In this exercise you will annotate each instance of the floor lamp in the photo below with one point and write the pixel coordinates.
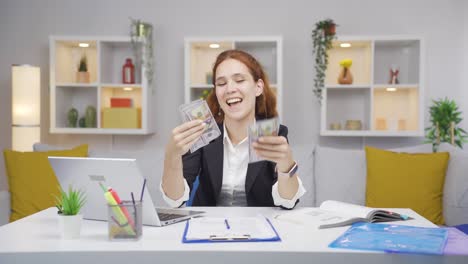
(26, 106)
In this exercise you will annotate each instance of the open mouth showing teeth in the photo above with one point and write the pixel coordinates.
(233, 101)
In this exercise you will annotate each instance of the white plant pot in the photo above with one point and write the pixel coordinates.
(70, 226)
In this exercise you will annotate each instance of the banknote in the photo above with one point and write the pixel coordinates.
(199, 109)
(265, 127)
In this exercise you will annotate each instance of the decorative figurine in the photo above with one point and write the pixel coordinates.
(394, 70)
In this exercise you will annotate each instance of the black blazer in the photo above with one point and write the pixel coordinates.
(207, 163)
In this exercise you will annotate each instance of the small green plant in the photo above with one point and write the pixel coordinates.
(445, 118)
(83, 65)
(71, 202)
(205, 94)
(322, 37)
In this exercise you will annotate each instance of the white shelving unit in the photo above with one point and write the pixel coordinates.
(383, 109)
(199, 60)
(105, 57)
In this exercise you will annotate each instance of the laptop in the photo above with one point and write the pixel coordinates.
(123, 176)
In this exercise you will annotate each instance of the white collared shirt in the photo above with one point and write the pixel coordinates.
(235, 163)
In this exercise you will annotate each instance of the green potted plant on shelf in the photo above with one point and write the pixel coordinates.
(322, 37)
(69, 205)
(445, 118)
(82, 76)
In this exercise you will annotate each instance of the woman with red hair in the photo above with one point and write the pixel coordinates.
(241, 95)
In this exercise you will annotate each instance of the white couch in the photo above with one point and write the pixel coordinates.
(327, 173)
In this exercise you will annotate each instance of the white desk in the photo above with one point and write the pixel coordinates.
(36, 239)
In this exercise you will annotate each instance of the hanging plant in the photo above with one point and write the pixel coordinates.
(141, 33)
(445, 118)
(322, 37)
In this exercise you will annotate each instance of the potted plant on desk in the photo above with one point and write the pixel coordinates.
(69, 205)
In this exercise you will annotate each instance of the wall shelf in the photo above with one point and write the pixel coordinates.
(105, 56)
(383, 109)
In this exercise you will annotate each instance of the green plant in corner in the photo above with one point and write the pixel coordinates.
(322, 37)
(83, 65)
(71, 202)
(445, 118)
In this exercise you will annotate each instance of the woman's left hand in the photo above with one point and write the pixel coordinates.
(276, 149)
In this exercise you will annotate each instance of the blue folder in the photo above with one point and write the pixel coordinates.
(393, 238)
(216, 238)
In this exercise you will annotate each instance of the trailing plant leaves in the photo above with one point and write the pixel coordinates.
(322, 42)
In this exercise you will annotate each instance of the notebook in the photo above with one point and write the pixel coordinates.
(124, 176)
(334, 214)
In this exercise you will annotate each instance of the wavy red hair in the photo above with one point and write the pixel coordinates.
(265, 104)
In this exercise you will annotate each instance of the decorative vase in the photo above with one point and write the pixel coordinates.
(70, 226)
(345, 76)
(353, 125)
(82, 77)
(128, 72)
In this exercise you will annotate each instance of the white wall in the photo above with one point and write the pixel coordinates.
(26, 25)
(463, 76)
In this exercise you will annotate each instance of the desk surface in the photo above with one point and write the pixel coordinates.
(37, 238)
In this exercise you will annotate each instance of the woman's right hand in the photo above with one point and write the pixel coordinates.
(184, 136)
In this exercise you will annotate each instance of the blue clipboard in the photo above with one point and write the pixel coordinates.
(237, 238)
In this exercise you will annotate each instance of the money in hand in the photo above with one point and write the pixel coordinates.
(199, 109)
(265, 127)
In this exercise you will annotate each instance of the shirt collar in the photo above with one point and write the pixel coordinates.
(227, 140)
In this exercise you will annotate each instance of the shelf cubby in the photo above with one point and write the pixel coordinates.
(384, 106)
(106, 57)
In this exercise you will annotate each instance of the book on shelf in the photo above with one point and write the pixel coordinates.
(121, 102)
(334, 214)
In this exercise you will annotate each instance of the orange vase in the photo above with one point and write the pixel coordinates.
(345, 76)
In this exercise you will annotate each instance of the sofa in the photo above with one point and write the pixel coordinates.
(327, 174)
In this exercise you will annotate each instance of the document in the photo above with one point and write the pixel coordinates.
(217, 229)
(334, 214)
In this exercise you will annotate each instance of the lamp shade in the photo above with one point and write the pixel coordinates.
(26, 106)
(26, 95)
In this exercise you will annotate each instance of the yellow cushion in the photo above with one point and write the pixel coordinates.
(32, 181)
(406, 180)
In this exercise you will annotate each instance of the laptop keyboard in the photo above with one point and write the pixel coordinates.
(165, 217)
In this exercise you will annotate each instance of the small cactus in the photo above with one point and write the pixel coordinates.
(83, 66)
(72, 117)
(90, 116)
(82, 122)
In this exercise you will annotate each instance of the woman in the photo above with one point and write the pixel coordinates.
(241, 95)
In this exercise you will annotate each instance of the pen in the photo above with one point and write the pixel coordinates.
(134, 208)
(142, 190)
(227, 224)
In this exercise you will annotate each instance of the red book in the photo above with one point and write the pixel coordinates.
(121, 102)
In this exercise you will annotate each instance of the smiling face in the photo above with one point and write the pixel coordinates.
(236, 90)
